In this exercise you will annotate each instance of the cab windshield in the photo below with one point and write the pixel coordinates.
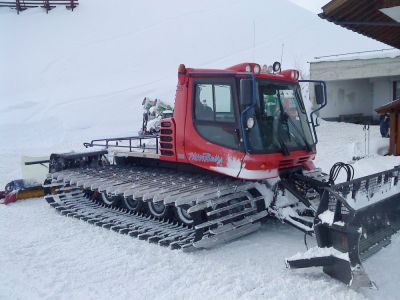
(281, 123)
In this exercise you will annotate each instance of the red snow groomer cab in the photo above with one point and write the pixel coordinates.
(238, 149)
(234, 122)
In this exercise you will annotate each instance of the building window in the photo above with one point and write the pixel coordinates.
(396, 90)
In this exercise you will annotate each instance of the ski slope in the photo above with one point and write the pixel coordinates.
(66, 78)
(47, 256)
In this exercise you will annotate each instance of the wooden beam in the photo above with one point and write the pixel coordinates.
(388, 3)
(333, 5)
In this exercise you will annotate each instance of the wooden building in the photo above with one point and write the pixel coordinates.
(377, 19)
(393, 109)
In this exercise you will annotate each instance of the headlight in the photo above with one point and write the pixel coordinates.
(277, 67)
(250, 122)
(256, 69)
(248, 68)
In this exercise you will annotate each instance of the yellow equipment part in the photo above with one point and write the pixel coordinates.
(34, 192)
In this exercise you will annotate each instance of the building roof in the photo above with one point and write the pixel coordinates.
(349, 69)
(378, 19)
(392, 106)
(364, 55)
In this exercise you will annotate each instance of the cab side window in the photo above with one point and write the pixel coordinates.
(204, 105)
(214, 112)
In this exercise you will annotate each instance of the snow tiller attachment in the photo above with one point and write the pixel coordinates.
(354, 220)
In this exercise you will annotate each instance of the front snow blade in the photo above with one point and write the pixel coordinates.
(356, 218)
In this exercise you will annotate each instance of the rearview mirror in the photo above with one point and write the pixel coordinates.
(246, 91)
(270, 90)
(319, 94)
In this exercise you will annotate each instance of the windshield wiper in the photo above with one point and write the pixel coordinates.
(284, 147)
(308, 146)
(282, 143)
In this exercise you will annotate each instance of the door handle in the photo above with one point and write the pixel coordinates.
(237, 132)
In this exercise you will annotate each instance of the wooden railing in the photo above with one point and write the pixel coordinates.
(21, 5)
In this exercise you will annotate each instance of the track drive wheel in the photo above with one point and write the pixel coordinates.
(132, 204)
(159, 210)
(183, 216)
(88, 194)
(110, 200)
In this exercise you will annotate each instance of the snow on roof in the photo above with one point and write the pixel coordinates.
(383, 53)
(392, 12)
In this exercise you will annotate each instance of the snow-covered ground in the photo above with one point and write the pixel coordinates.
(66, 78)
(47, 256)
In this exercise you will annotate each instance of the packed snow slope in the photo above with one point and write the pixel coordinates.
(70, 76)
(47, 256)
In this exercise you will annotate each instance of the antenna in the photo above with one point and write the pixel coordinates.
(283, 47)
(254, 40)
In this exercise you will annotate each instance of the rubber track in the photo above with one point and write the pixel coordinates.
(230, 209)
(81, 207)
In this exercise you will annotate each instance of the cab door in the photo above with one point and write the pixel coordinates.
(212, 138)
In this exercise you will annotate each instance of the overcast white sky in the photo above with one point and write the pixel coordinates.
(313, 5)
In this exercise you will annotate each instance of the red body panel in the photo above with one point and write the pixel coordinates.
(261, 166)
(189, 147)
(205, 154)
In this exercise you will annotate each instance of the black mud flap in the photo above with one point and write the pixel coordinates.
(355, 219)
